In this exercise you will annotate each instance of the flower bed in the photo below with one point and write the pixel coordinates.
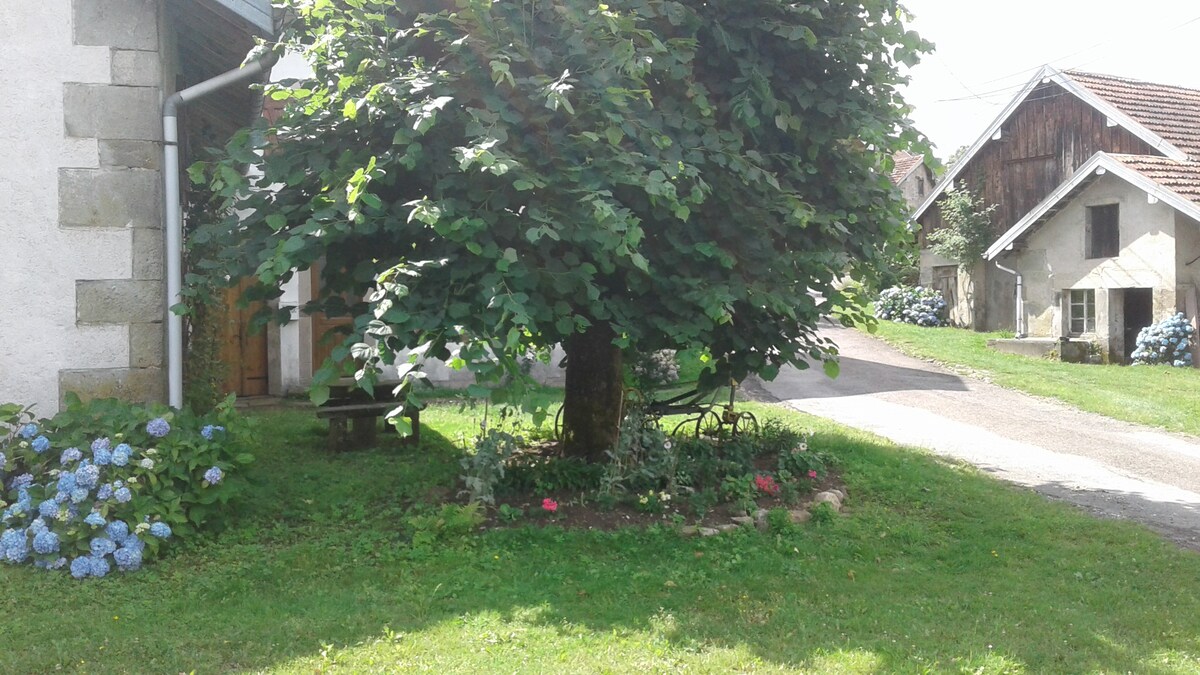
(104, 484)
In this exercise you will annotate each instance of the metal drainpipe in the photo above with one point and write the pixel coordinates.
(174, 209)
(1020, 300)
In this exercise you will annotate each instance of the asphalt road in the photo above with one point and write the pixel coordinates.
(1110, 468)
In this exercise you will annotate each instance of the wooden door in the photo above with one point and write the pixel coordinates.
(945, 281)
(244, 352)
(327, 332)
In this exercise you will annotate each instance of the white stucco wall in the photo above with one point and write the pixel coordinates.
(39, 261)
(1052, 259)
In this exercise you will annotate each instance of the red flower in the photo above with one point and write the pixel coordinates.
(766, 484)
(549, 505)
(812, 473)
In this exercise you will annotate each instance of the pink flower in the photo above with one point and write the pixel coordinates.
(766, 484)
(549, 505)
(812, 473)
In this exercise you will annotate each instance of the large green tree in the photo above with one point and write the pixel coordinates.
(513, 174)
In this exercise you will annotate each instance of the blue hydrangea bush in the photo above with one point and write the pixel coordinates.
(912, 304)
(1166, 342)
(104, 485)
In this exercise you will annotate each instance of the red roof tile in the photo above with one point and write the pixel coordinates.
(1182, 178)
(904, 163)
(1169, 111)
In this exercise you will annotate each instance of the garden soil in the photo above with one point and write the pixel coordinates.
(1110, 468)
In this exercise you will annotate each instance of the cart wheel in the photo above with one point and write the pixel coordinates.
(708, 424)
(558, 425)
(745, 423)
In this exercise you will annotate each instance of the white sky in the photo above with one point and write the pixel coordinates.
(985, 51)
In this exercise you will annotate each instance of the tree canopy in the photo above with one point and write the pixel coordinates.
(512, 174)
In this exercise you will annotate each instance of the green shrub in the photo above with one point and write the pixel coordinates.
(86, 487)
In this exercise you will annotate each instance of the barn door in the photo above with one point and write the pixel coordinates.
(244, 352)
(945, 281)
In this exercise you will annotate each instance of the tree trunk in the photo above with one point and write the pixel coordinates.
(592, 403)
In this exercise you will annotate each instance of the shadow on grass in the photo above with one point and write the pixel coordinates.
(937, 568)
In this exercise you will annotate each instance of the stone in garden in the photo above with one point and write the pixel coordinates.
(761, 514)
(689, 530)
(800, 516)
(829, 498)
(708, 532)
(841, 494)
(745, 521)
(727, 527)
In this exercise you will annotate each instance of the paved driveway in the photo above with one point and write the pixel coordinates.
(1111, 468)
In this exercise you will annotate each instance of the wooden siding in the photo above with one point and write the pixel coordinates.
(1045, 140)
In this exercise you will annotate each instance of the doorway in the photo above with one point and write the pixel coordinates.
(1138, 313)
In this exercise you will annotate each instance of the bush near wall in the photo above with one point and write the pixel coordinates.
(912, 304)
(1166, 342)
(104, 485)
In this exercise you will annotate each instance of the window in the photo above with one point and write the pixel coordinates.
(1103, 232)
(1083, 311)
(921, 187)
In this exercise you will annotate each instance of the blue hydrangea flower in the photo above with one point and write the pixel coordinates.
(95, 519)
(62, 497)
(22, 481)
(133, 543)
(66, 482)
(117, 530)
(214, 475)
(81, 567)
(105, 492)
(28, 431)
(87, 476)
(120, 454)
(15, 546)
(160, 530)
(37, 526)
(58, 564)
(102, 546)
(24, 500)
(102, 456)
(79, 495)
(99, 566)
(3, 461)
(45, 543)
(100, 444)
(48, 508)
(158, 427)
(128, 559)
(41, 444)
(70, 455)
(207, 431)
(123, 495)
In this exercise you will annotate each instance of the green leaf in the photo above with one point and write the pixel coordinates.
(350, 110)
(832, 368)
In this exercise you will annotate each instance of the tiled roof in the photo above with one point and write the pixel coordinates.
(904, 163)
(1169, 111)
(1182, 178)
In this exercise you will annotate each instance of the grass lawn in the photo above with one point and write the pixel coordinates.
(937, 568)
(1155, 395)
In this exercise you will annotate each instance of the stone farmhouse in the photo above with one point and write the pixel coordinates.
(1096, 180)
(83, 235)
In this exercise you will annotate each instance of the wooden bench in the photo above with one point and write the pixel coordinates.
(353, 415)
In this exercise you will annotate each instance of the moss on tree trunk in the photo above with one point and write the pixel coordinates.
(592, 401)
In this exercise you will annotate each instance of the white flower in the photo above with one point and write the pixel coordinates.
(147, 464)
(141, 527)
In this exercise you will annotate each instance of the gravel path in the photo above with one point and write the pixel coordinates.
(1113, 469)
